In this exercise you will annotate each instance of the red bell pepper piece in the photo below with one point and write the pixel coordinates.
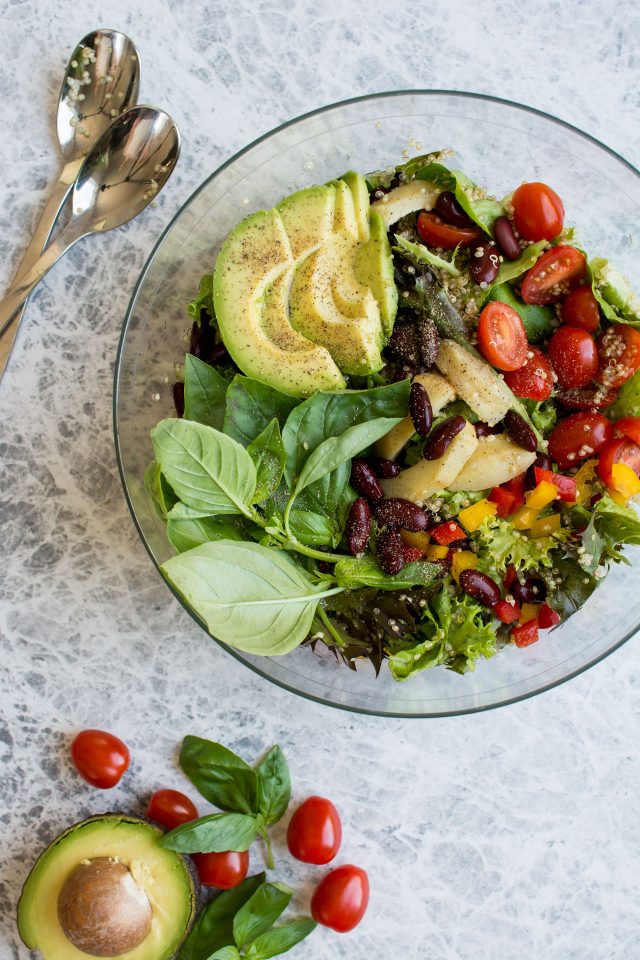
(507, 612)
(517, 488)
(525, 633)
(505, 501)
(510, 576)
(566, 486)
(447, 532)
(547, 617)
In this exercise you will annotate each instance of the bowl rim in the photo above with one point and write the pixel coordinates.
(385, 95)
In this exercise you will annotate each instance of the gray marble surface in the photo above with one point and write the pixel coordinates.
(512, 834)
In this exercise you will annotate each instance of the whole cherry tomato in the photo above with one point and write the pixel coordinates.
(578, 437)
(574, 356)
(581, 309)
(171, 808)
(553, 275)
(501, 336)
(534, 379)
(628, 427)
(315, 832)
(222, 870)
(436, 233)
(100, 758)
(619, 349)
(617, 451)
(340, 899)
(538, 211)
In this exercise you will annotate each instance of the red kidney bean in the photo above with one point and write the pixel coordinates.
(449, 210)
(420, 409)
(484, 430)
(542, 461)
(387, 469)
(358, 527)
(531, 590)
(480, 586)
(438, 443)
(389, 548)
(484, 263)
(520, 431)
(505, 237)
(178, 397)
(411, 554)
(364, 481)
(396, 512)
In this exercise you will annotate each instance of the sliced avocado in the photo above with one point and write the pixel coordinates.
(254, 255)
(106, 888)
(352, 298)
(344, 219)
(374, 267)
(358, 187)
(307, 217)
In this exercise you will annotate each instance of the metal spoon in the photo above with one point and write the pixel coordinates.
(101, 80)
(123, 173)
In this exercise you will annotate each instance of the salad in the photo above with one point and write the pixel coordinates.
(408, 424)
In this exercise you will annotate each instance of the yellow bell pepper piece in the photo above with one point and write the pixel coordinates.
(435, 552)
(529, 611)
(584, 479)
(542, 495)
(524, 517)
(545, 526)
(462, 560)
(471, 517)
(419, 539)
(625, 481)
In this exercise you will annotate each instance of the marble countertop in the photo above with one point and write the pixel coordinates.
(512, 834)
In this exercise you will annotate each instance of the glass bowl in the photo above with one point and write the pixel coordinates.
(497, 143)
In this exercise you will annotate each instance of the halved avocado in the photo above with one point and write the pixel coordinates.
(106, 888)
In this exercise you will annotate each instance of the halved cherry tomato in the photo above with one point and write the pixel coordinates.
(222, 870)
(547, 617)
(505, 501)
(171, 808)
(436, 233)
(446, 533)
(340, 899)
(566, 486)
(315, 831)
(578, 437)
(534, 379)
(501, 336)
(574, 356)
(525, 633)
(538, 211)
(619, 349)
(507, 612)
(628, 427)
(617, 451)
(592, 397)
(581, 309)
(100, 758)
(553, 275)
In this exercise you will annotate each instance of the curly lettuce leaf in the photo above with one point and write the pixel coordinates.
(203, 301)
(613, 291)
(542, 413)
(500, 544)
(419, 255)
(609, 526)
(512, 269)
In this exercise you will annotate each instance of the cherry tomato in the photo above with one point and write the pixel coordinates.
(553, 275)
(340, 899)
(436, 233)
(628, 427)
(315, 831)
(100, 758)
(538, 211)
(222, 870)
(619, 349)
(578, 437)
(618, 451)
(501, 336)
(581, 309)
(574, 356)
(171, 808)
(534, 379)
(592, 397)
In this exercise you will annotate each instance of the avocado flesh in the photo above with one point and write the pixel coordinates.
(307, 218)
(165, 876)
(358, 187)
(344, 218)
(374, 268)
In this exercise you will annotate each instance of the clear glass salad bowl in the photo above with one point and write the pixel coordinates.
(497, 143)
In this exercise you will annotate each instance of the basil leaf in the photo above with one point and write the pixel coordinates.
(222, 777)
(538, 321)
(226, 953)
(186, 534)
(260, 912)
(627, 403)
(279, 939)
(251, 406)
(313, 529)
(483, 211)
(214, 833)
(213, 928)
(268, 455)
(206, 469)
(204, 393)
(366, 572)
(157, 486)
(274, 785)
(249, 596)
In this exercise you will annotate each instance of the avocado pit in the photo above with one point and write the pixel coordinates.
(102, 910)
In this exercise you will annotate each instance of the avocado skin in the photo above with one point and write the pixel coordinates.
(190, 867)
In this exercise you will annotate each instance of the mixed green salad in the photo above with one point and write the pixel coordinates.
(408, 424)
